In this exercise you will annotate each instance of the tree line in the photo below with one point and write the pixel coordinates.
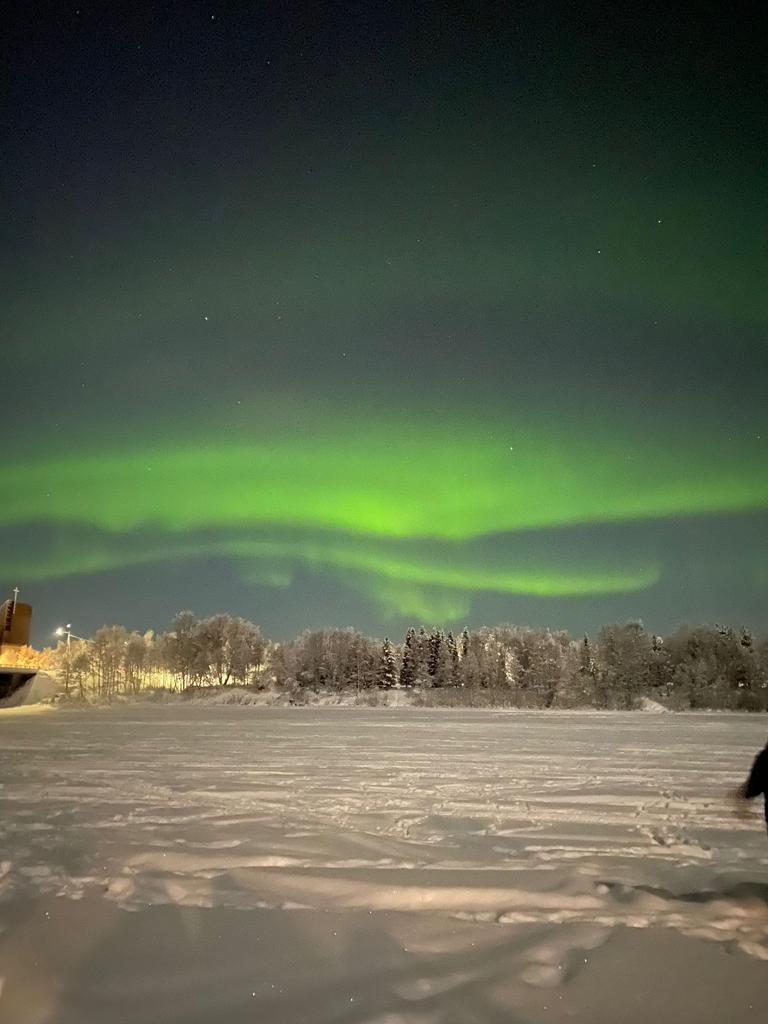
(693, 667)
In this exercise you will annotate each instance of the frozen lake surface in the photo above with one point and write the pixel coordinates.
(185, 863)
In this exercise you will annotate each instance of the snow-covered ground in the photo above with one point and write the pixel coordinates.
(190, 863)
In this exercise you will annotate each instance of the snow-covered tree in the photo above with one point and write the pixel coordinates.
(387, 674)
(409, 666)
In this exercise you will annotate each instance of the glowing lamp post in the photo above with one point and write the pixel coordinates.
(67, 632)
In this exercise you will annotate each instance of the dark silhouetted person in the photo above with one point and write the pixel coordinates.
(757, 783)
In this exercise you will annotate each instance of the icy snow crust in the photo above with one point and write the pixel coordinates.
(394, 866)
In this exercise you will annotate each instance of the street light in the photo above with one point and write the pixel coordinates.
(67, 632)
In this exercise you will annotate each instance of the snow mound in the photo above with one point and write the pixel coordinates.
(38, 689)
(652, 706)
(238, 695)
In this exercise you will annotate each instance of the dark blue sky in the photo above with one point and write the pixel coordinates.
(359, 314)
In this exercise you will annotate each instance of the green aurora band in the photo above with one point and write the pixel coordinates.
(394, 507)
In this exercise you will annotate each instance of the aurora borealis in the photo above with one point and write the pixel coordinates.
(360, 315)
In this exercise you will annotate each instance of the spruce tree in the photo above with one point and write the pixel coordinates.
(464, 642)
(445, 666)
(409, 665)
(433, 656)
(387, 676)
(586, 659)
(450, 643)
(421, 651)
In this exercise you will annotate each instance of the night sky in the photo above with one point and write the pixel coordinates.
(369, 314)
